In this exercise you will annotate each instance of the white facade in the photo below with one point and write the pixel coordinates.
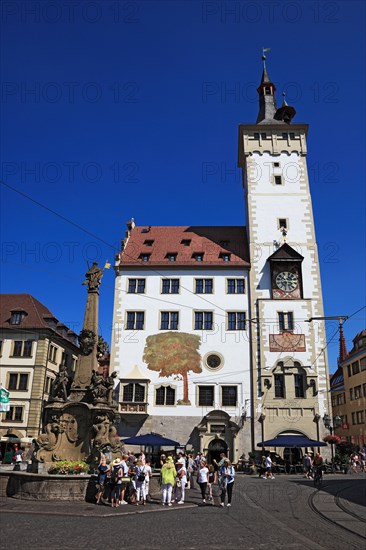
(232, 346)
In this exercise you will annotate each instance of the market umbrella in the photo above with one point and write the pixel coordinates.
(152, 440)
(291, 441)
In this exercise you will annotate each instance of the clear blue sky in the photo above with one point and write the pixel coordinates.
(133, 101)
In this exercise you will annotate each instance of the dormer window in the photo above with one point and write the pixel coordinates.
(198, 256)
(144, 257)
(148, 242)
(17, 316)
(185, 242)
(256, 135)
(263, 135)
(171, 256)
(225, 256)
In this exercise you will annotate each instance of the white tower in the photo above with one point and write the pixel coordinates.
(289, 361)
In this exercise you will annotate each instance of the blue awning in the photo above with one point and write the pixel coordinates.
(291, 441)
(151, 440)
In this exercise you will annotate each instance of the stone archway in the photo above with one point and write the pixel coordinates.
(217, 426)
(215, 448)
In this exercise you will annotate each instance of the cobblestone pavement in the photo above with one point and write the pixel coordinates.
(286, 512)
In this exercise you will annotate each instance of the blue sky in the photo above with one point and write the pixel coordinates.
(113, 110)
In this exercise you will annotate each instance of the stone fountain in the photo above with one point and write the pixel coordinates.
(80, 416)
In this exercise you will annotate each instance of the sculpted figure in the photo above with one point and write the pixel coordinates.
(48, 440)
(101, 431)
(59, 387)
(109, 385)
(87, 340)
(93, 277)
(98, 387)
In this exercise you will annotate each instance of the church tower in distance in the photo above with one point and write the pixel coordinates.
(289, 367)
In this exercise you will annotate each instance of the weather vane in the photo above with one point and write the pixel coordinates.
(264, 50)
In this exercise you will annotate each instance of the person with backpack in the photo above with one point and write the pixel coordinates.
(116, 482)
(227, 476)
(140, 479)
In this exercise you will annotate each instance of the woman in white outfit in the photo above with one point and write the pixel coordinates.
(181, 481)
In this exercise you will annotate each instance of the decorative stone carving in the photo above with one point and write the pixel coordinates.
(48, 440)
(87, 340)
(93, 277)
(59, 386)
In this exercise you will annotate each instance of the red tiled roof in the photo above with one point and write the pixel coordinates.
(35, 318)
(211, 241)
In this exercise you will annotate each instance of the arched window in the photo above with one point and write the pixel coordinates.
(299, 381)
(165, 395)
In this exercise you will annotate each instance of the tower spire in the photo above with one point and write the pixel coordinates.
(342, 343)
(268, 112)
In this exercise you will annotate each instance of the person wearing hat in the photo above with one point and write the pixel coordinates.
(116, 481)
(168, 475)
(181, 480)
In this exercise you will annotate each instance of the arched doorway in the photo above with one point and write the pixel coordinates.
(215, 448)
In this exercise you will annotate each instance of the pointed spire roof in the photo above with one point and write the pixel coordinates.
(265, 78)
(285, 253)
(268, 112)
(342, 344)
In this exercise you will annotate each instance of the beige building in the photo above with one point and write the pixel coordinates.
(33, 347)
(348, 390)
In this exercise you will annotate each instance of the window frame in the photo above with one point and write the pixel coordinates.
(204, 281)
(164, 388)
(133, 393)
(171, 283)
(22, 346)
(229, 386)
(203, 387)
(235, 280)
(285, 320)
(11, 414)
(237, 321)
(18, 376)
(135, 321)
(299, 385)
(279, 377)
(204, 322)
(137, 282)
(169, 320)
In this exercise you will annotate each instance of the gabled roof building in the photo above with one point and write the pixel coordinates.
(34, 344)
(210, 337)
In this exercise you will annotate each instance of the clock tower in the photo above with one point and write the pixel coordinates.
(289, 373)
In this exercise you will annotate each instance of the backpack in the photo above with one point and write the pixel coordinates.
(141, 475)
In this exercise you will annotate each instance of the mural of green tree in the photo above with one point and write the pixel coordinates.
(174, 354)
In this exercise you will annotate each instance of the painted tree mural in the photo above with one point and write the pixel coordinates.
(174, 354)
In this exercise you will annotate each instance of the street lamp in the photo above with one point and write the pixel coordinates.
(261, 419)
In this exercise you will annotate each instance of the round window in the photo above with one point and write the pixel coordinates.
(214, 361)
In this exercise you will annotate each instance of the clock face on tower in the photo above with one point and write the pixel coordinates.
(287, 281)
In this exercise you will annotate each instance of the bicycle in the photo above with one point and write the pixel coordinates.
(318, 476)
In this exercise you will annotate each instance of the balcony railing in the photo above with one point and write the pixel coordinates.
(133, 408)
